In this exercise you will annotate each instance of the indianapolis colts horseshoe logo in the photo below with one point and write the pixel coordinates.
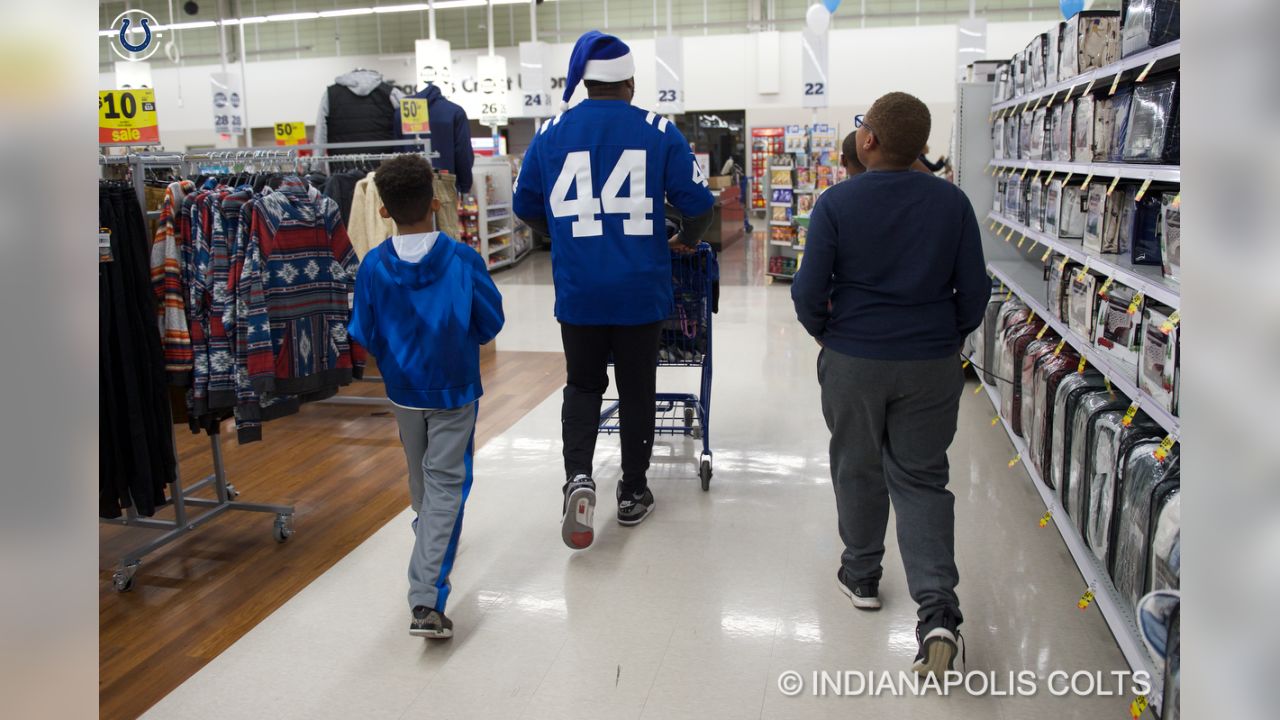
(134, 35)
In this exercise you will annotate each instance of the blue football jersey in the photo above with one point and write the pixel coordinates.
(599, 173)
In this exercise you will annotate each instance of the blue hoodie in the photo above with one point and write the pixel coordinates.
(425, 321)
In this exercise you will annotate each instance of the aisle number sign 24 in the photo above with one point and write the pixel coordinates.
(291, 133)
(127, 117)
(413, 116)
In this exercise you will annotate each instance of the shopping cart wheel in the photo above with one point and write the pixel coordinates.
(688, 417)
(704, 472)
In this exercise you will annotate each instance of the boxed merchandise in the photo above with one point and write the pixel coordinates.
(1149, 122)
(1082, 297)
(1012, 133)
(780, 176)
(1070, 391)
(1025, 130)
(997, 139)
(1018, 65)
(1073, 213)
(720, 182)
(1117, 333)
(997, 203)
(1112, 442)
(1148, 24)
(1158, 369)
(1053, 53)
(1052, 207)
(1063, 114)
(1036, 148)
(1171, 235)
(1084, 431)
(1145, 245)
(1059, 281)
(1004, 87)
(1082, 147)
(1146, 482)
(1119, 108)
(1090, 40)
(780, 213)
(1036, 60)
(1035, 206)
(1102, 225)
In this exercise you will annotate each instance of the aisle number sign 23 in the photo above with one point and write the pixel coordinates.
(413, 116)
(291, 133)
(127, 117)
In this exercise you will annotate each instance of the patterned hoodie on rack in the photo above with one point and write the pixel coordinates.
(296, 271)
(166, 283)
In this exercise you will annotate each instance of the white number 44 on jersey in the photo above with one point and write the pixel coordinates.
(635, 205)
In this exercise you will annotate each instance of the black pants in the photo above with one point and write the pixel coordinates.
(587, 349)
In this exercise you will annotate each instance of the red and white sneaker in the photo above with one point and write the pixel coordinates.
(576, 527)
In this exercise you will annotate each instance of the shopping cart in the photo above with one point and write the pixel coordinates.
(686, 342)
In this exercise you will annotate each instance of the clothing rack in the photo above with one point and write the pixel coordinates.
(225, 493)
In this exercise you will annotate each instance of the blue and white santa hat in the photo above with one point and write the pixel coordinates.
(597, 56)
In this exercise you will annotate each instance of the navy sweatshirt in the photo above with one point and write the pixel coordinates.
(893, 268)
(450, 136)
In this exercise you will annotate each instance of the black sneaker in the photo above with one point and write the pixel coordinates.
(576, 527)
(429, 623)
(940, 641)
(865, 595)
(633, 510)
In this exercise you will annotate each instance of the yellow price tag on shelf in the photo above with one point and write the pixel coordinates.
(1022, 242)
(1168, 325)
(992, 226)
(1080, 367)
(1086, 599)
(1067, 180)
(1015, 460)
(1062, 266)
(1112, 187)
(1130, 414)
(1034, 243)
(964, 365)
(977, 389)
(1135, 304)
(1140, 704)
(1089, 88)
(1177, 200)
(1001, 287)
(1032, 317)
(1115, 84)
(1165, 447)
(1047, 252)
(1061, 344)
(1008, 234)
(291, 133)
(1043, 330)
(1050, 178)
(414, 118)
(1087, 179)
(127, 117)
(1142, 76)
(1142, 191)
(1008, 296)
(1036, 177)
(1106, 285)
(1084, 270)
(1044, 519)
(995, 420)
(1025, 170)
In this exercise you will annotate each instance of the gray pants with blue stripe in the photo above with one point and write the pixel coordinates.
(438, 446)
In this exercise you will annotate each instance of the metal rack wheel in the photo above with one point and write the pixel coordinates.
(232, 492)
(283, 528)
(122, 578)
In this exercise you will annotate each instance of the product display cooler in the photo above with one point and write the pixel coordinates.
(793, 182)
(1073, 156)
(766, 146)
(488, 223)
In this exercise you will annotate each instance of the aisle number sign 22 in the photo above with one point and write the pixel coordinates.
(127, 117)
(413, 116)
(291, 133)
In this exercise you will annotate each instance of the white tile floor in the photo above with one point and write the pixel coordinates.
(693, 614)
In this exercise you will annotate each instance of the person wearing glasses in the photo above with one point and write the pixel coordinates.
(892, 282)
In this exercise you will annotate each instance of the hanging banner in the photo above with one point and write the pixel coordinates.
(414, 117)
(535, 95)
(127, 117)
(434, 65)
(228, 105)
(669, 57)
(133, 74)
(813, 69)
(291, 133)
(492, 72)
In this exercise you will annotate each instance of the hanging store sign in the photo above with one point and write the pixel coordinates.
(127, 117)
(492, 71)
(291, 133)
(535, 96)
(669, 58)
(813, 69)
(434, 65)
(228, 103)
(414, 117)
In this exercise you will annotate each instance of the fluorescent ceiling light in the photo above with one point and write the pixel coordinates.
(345, 13)
(189, 25)
(413, 7)
(286, 17)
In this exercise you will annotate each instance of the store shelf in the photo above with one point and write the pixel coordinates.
(1108, 599)
(1027, 282)
(780, 223)
(780, 243)
(1125, 171)
(1147, 279)
(1164, 56)
(495, 249)
(784, 276)
(499, 206)
(500, 233)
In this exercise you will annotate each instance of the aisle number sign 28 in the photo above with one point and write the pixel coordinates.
(127, 117)
(413, 116)
(291, 133)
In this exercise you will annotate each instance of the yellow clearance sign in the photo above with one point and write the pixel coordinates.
(291, 133)
(413, 116)
(127, 117)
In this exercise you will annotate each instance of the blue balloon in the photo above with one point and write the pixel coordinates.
(1070, 7)
(831, 5)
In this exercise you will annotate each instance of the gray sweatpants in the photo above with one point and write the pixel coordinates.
(891, 423)
(438, 446)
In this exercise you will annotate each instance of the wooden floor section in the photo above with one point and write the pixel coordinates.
(343, 469)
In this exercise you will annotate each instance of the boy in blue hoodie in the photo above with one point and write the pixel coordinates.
(424, 304)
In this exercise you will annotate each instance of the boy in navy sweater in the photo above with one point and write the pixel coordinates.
(893, 280)
(424, 304)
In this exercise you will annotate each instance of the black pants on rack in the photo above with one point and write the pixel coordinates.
(587, 350)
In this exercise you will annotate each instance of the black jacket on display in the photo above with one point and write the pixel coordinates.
(360, 118)
(450, 136)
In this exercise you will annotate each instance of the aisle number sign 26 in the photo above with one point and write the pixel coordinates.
(127, 117)
(413, 116)
(291, 133)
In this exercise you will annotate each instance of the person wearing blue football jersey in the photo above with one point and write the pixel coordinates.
(595, 179)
